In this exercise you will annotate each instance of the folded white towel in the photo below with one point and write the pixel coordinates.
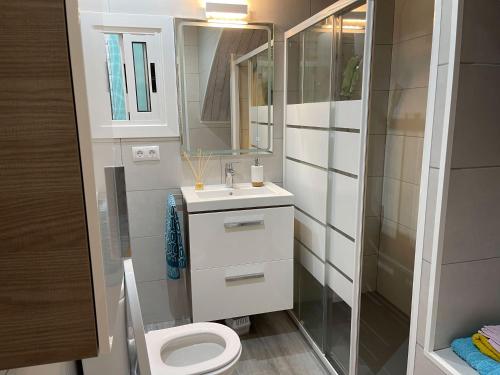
(493, 335)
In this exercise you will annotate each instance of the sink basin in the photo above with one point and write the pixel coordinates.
(219, 197)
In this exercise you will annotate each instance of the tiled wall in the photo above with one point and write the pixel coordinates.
(407, 97)
(471, 255)
(149, 182)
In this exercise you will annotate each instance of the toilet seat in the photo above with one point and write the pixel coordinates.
(187, 337)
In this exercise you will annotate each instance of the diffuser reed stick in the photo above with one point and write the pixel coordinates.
(199, 171)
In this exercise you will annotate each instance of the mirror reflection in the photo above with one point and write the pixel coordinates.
(225, 78)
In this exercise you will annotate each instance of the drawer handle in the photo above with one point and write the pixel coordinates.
(238, 224)
(256, 275)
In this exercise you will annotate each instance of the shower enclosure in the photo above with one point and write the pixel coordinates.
(328, 60)
(355, 177)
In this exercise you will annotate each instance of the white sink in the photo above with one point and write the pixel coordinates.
(219, 197)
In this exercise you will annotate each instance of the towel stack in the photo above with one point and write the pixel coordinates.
(487, 340)
(481, 350)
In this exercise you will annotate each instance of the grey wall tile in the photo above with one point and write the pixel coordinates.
(476, 135)
(400, 202)
(411, 63)
(468, 299)
(381, 70)
(105, 154)
(412, 19)
(407, 111)
(472, 217)
(379, 101)
(163, 301)
(403, 158)
(148, 254)
(481, 32)
(146, 210)
(376, 155)
(384, 22)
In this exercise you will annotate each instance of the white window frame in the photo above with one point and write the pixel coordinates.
(158, 33)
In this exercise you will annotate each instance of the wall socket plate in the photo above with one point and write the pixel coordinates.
(146, 153)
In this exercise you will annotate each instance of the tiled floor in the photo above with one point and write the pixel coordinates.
(275, 346)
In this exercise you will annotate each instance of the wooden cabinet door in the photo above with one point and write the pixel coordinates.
(46, 298)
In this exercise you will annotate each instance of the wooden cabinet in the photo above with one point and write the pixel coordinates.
(46, 297)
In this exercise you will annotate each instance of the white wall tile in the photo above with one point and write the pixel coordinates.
(190, 36)
(309, 185)
(148, 255)
(192, 87)
(412, 19)
(481, 32)
(439, 110)
(345, 151)
(191, 59)
(411, 63)
(171, 171)
(395, 264)
(146, 211)
(472, 218)
(307, 145)
(341, 252)
(343, 203)
(476, 134)
(406, 112)
(403, 158)
(400, 202)
(311, 233)
(163, 301)
(468, 299)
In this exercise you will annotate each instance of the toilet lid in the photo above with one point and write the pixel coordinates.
(157, 340)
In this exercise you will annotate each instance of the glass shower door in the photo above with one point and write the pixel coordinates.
(326, 116)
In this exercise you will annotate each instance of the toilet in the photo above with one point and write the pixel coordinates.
(198, 348)
(191, 349)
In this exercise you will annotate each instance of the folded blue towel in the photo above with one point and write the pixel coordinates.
(174, 249)
(483, 364)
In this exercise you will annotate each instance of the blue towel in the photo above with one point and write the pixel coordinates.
(483, 364)
(174, 250)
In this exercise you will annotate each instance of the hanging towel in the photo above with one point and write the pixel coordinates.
(485, 347)
(466, 350)
(174, 250)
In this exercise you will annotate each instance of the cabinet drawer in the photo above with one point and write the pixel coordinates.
(228, 238)
(228, 292)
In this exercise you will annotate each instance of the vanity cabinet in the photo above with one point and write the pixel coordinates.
(241, 261)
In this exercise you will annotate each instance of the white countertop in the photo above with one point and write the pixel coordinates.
(244, 195)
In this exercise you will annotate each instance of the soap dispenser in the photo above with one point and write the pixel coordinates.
(257, 174)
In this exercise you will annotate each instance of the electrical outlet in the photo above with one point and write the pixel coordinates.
(146, 153)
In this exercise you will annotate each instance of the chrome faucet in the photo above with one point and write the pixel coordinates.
(229, 172)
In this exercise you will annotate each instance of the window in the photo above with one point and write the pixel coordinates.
(129, 68)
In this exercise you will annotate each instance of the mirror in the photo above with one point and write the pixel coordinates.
(225, 80)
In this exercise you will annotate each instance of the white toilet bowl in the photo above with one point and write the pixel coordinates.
(193, 349)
